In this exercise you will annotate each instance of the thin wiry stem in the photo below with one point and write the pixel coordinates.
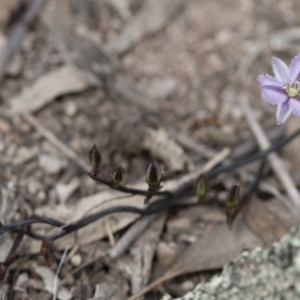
(165, 202)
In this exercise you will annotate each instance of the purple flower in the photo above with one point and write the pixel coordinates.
(283, 90)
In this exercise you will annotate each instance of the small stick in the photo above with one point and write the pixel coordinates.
(130, 236)
(57, 273)
(55, 141)
(275, 161)
(189, 143)
(72, 252)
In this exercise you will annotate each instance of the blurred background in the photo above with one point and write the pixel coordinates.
(141, 79)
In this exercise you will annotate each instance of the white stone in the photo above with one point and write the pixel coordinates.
(51, 163)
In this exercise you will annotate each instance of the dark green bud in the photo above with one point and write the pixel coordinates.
(201, 187)
(118, 175)
(153, 173)
(232, 204)
(95, 157)
(233, 196)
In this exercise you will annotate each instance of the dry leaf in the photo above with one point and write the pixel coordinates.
(48, 278)
(216, 248)
(210, 252)
(264, 223)
(53, 84)
(143, 251)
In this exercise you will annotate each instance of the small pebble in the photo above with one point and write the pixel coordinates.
(71, 108)
(51, 163)
(76, 260)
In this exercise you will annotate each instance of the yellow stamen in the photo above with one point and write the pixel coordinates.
(292, 89)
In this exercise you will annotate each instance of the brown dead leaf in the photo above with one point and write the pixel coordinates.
(48, 277)
(210, 252)
(53, 84)
(264, 223)
(217, 247)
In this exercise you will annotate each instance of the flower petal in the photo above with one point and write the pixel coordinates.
(280, 69)
(283, 112)
(272, 91)
(295, 106)
(295, 68)
(268, 80)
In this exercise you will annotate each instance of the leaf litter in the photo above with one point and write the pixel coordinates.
(151, 41)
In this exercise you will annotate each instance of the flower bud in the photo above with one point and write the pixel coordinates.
(153, 173)
(232, 204)
(118, 175)
(233, 196)
(201, 187)
(95, 157)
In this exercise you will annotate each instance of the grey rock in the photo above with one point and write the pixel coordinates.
(51, 163)
(163, 88)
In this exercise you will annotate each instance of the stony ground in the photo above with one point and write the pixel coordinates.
(141, 79)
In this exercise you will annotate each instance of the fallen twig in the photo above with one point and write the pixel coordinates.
(130, 236)
(55, 284)
(56, 142)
